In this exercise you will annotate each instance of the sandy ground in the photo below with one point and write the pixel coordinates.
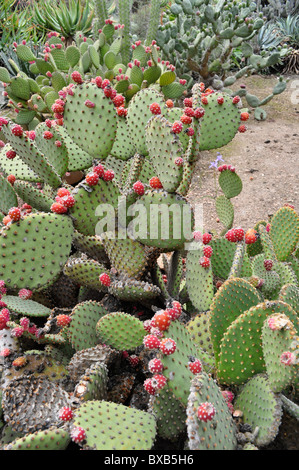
(265, 157)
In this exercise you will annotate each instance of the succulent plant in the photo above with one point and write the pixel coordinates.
(200, 38)
(110, 298)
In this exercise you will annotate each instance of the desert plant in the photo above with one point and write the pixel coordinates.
(101, 303)
(66, 18)
(129, 67)
(200, 39)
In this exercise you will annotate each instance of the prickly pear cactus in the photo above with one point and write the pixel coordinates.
(217, 432)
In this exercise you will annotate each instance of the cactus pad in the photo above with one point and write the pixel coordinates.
(98, 125)
(34, 250)
(199, 280)
(261, 408)
(164, 220)
(241, 354)
(53, 438)
(120, 331)
(284, 232)
(129, 429)
(234, 297)
(220, 432)
(82, 329)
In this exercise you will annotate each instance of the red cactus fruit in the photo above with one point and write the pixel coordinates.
(92, 179)
(105, 279)
(205, 262)
(155, 366)
(78, 434)
(65, 414)
(155, 183)
(63, 320)
(195, 366)
(138, 188)
(17, 130)
(206, 238)
(177, 127)
(167, 346)
(151, 342)
(15, 214)
(206, 412)
(155, 108)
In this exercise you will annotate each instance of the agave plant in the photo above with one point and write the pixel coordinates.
(289, 28)
(65, 18)
(15, 25)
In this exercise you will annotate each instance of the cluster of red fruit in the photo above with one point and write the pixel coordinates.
(58, 110)
(226, 167)
(98, 172)
(77, 433)
(18, 331)
(156, 327)
(16, 213)
(238, 234)
(64, 201)
(187, 117)
(205, 238)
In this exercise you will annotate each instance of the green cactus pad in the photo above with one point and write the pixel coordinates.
(271, 279)
(176, 365)
(34, 250)
(241, 354)
(78, 159)
(164, 147)
(220, 432)
(87, 211)
(198, 328)
(127, 256)
(27, 308)
(275, 343)
(17, 167)
(19, 87)
(225, 211)
(219, 124)
(169, 413)
(85, 272)
(98, 125)
(284, 232)
(266, 243)
(261, 408)
(8, 197)
(132, 290)
(4, 75)
(234, 297)
(91, 246)
(164, 220)
(173, 91)
(257, 247)
(120, 331)
(123, 146)
(129, 428)
(223, 257)
(30, 154)
(53, 438)
(93, 383)
(82, 329)
(24, 117)
(289, 293)
(139, 114)
(230, 183)
(199, 280)
(57, 156)
(33, 196)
